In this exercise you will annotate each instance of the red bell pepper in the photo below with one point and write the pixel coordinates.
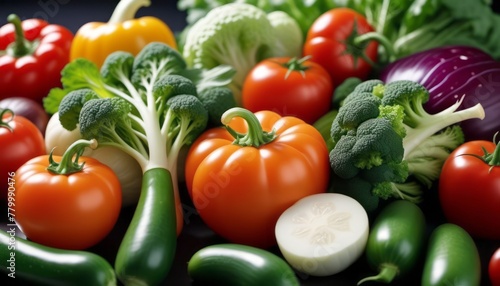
(32, 55)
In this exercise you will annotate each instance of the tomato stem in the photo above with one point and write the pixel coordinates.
(295, 64)
(255, 137)
(493, 159)
(69, 162)
(20, 47)
(9, 115)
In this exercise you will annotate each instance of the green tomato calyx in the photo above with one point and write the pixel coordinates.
(69, 163)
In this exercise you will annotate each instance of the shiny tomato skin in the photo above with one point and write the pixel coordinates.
(240, 192)
(74, 211)
(270, 85)
(325, 43)
(23, 142)
(494, 268)
(469, 190)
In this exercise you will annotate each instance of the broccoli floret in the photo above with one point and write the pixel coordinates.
(419, 124)
(239, 35)
(369, 86)
(72, 104)
(383, 136)
(159, 59)
(104, 119)
(411, 96)
(359, 107)
(185, 118)
(373, 144)
(171, 85)
(216, 101)
(117, 66)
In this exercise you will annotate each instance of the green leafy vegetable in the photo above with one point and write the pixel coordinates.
(413, 26)
(387, 146)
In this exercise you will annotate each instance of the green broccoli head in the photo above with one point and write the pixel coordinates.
(156, 59)
(216, 101)
(71, 105)
(411, 96)
(368, 86)
(171, 85)
(105, 119)
(187, 118)
(395, 114)
(375, 143)
(357, 108)
(384, 136)
(116, 68)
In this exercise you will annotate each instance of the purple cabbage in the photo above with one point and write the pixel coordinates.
(452, 72)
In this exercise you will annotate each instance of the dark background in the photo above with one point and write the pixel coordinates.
(73, 14)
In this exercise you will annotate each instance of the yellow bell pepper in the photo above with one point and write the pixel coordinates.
(123, 32)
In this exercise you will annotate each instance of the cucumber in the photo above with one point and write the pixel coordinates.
(237, 264)
(452, 258)
(148, 247)
(37, 264)
(396, 240)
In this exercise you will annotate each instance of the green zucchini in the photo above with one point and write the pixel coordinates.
(37, 264)
(237, 264)
(147, 250)
(396, 240)
(453, 252)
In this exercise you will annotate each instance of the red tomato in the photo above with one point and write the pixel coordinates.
(494, 268)
(240, 190)
(469, 190)
(68, 211)
(288, 86)
(332, 42)
(20, 140)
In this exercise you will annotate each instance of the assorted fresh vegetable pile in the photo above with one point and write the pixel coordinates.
(310, 137)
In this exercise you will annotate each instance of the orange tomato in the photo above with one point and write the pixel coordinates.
(68, 211)
(240, 189)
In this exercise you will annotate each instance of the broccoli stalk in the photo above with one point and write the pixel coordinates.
(144, 107)
(383, 136)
